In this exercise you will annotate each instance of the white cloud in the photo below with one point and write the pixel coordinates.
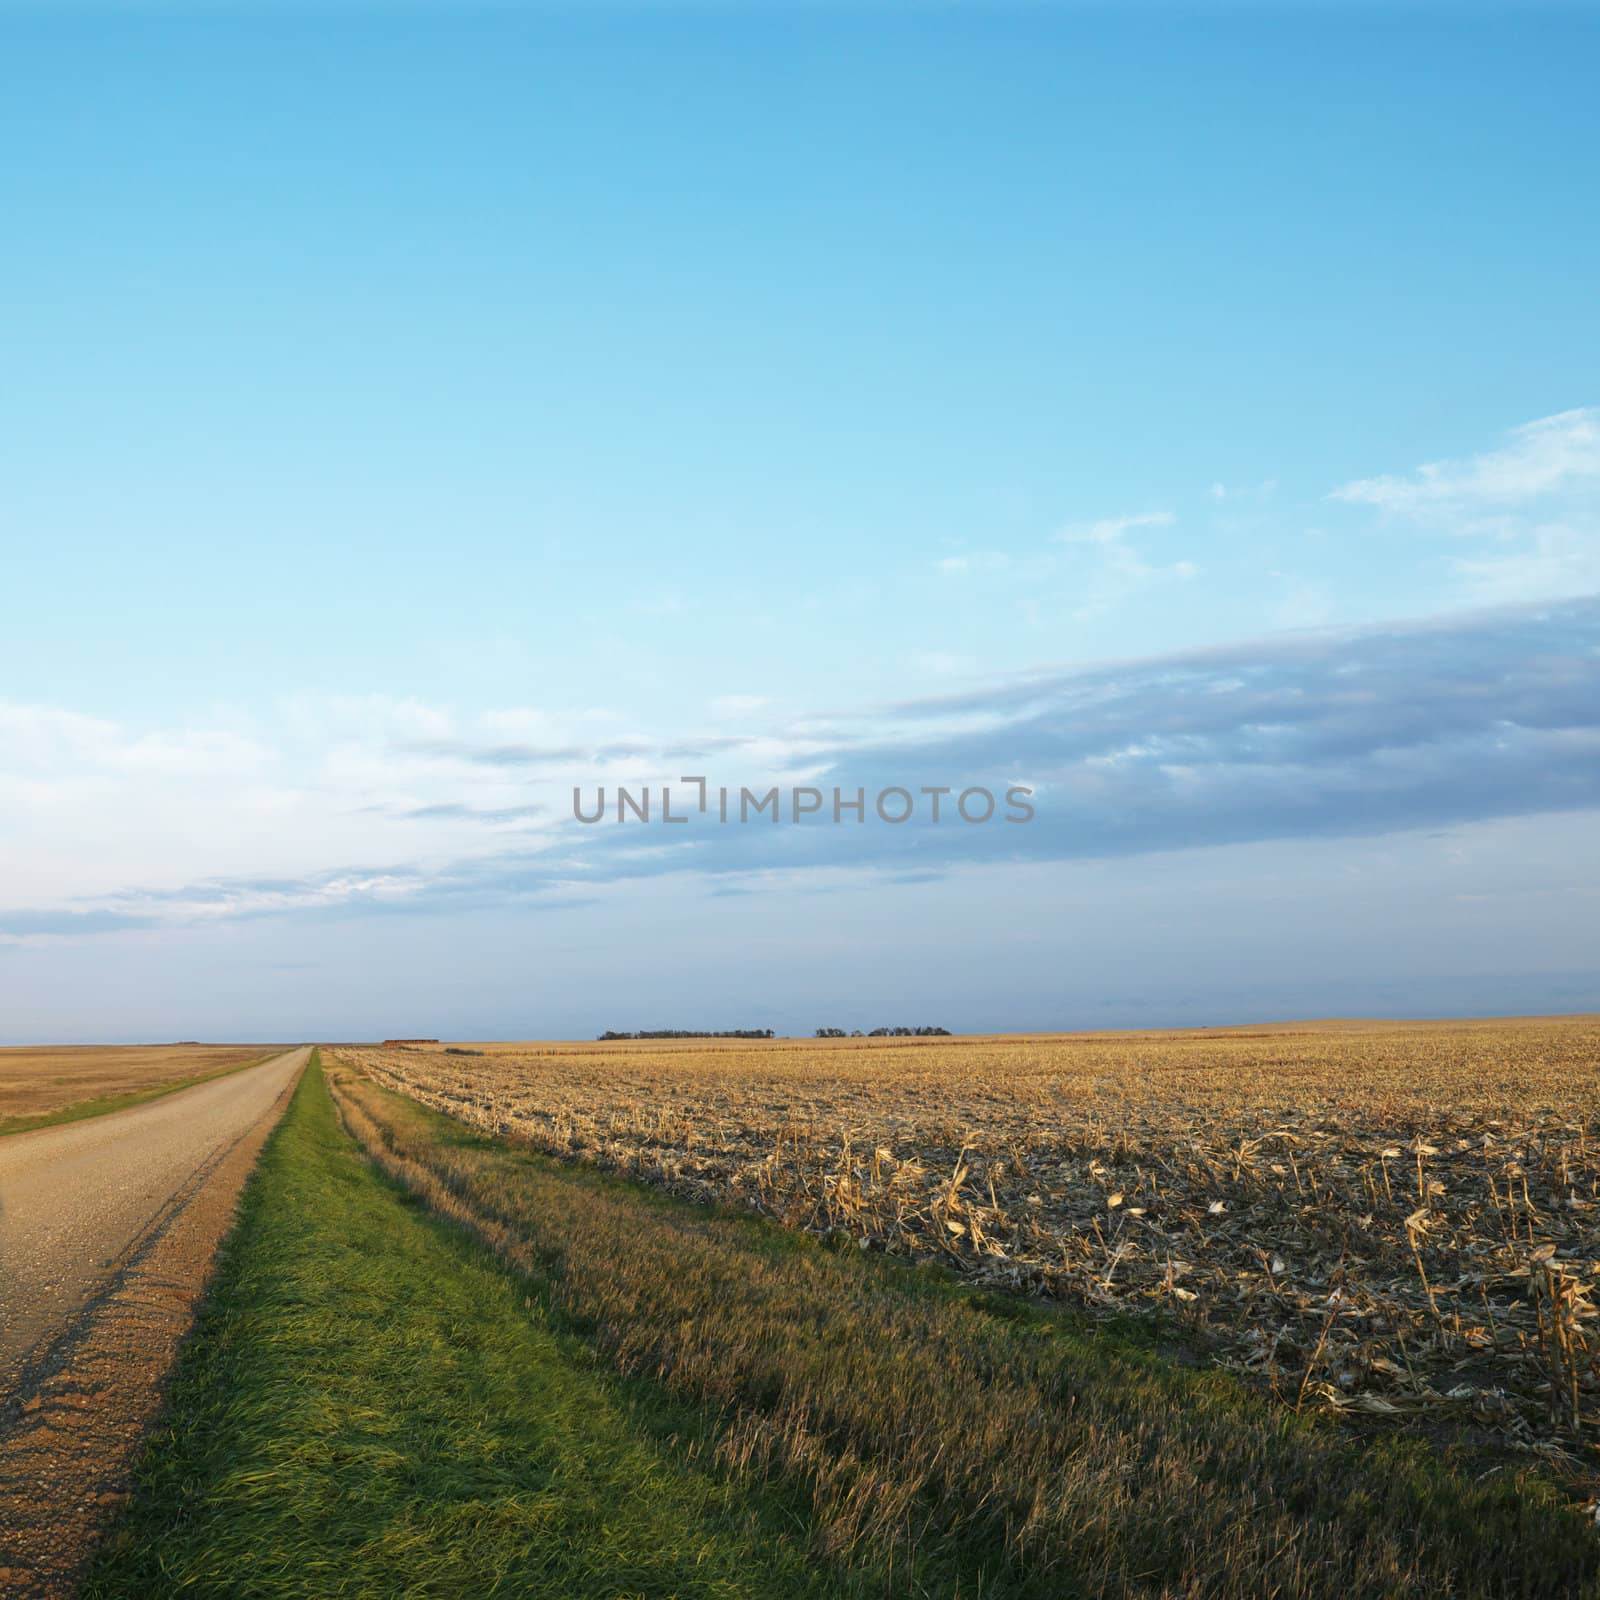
(1108, 530)
(46, 735)
(1540, 458)
(942, 663)
(1555, 558)
(523, 722)
(737, 705)
(978, 561)
(1196, 745)
(50, 739)
(1118, 570)
(1533, 503)
(92, 807)
(362, 716)
(1301, 602)
(1124, 573)
(1257, 491)
(661, 603)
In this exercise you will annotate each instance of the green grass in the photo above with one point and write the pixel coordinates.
(99, 1105)
(370, 1407)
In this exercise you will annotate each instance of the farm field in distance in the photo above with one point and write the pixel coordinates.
(1391, 1220)
(43, 1084)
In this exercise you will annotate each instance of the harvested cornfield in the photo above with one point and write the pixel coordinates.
(41, 1084)
(1397, 1220)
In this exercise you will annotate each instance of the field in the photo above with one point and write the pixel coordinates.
(1392, 1221)
(462, 1367)
(41, 1085)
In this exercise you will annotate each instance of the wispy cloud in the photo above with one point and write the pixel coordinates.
(1556, 557)
(455, 809)
(46, 736)
(738, 705)
(1118, 572)
(1124, 573)
(1316, 734)
(975, 561)
(1532, 503)
(661, 603)
(1250, 492)
(942, 663)
(1108, 530)
(1300, 602)
(1538, 459)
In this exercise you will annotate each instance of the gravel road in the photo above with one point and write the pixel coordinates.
(107, 1231)
(76, 1201)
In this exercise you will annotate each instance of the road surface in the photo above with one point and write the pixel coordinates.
(107, 1231)
(77, 1201)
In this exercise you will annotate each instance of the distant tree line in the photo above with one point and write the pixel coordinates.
(884, 1033)
(690, 1033)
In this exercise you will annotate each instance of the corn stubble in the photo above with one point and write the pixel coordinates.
(1394, 1220)
(933, 1441)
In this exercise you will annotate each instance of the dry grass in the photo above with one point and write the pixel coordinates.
(38, 1080)
(1391, 1219)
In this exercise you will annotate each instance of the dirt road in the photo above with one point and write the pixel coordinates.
(107, 1231)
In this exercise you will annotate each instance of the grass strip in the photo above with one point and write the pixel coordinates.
(99, 1105)
(370, 1406)
(939, 1432)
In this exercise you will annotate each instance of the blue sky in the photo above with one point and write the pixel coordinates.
(406, 416)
